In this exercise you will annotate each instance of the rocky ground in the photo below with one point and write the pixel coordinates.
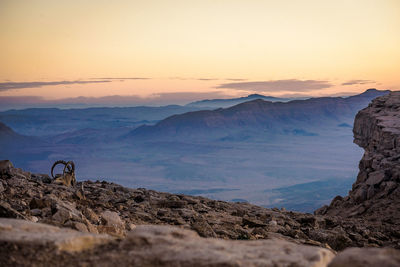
(107, 219)
(110, 217)
(102, 207)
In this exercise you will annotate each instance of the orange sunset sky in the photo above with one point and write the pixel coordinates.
(185, 50)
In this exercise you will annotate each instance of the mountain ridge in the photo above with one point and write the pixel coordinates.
(259, 115)
(228, 102)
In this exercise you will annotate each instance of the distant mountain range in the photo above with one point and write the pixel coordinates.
(259, 117)
(224, 103)
(53, 121)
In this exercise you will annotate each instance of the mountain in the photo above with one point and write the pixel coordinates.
(52, 121)
(260, 117)
(9, 137)
(225, 103)
(6, 132)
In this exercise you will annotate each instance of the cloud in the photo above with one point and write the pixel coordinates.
(123, 78)
(291, 85)
(207, 79)
(352, 82)
(179, 78)
(191, 78)
(342, 94)
(9, 102)
(158, 98)
(20, 85)
(188, 96)
(235, 79)
(20, 99)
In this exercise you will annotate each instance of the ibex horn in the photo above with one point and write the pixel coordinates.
(55, 164)
(70, 166)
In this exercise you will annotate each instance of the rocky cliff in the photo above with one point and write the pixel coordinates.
(375, 196)
(100, 224)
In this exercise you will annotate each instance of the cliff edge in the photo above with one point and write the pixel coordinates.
(375, 196)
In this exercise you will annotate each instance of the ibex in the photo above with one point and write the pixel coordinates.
(67, 178)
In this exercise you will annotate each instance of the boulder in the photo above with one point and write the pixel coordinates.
(5, 166)
(112, 218)
(361, 257)
(7, 211)
(28, 234)
(375, 177)
(44, 178)
(111, 224)
(150, 245)
(65, 211)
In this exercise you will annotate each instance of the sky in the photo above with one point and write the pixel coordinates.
(188, 50)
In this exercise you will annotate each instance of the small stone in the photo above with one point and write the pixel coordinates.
(91, 215)
(44, 178)
(66, 211)
(375, 178)
(10, 191)
(371, 192)
(112, 224)
(92, 228)
(201, 226)
(273, 223)
(77, 226)
(360, 194)
(6, 211)
(111, 218)
(36, 212)
(251, 222)
(37, 203)
(79, 195)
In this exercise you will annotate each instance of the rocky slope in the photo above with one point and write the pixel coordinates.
(102, 207)
(107, 218)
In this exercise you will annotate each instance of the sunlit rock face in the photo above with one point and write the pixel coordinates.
(376, 193)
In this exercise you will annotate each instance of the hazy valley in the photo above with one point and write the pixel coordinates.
(297, 154)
